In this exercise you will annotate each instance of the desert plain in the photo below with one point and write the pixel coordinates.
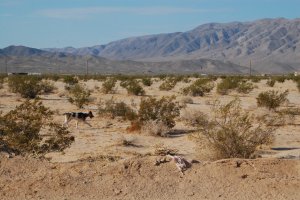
(98, 166)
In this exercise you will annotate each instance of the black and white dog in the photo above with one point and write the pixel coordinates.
(79, 116)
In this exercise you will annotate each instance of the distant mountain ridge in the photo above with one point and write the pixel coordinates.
(25, 59)
(268, 45)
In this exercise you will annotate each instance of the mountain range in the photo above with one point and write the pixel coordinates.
(267, 45)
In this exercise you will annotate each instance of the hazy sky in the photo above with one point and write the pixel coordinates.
(80, 23)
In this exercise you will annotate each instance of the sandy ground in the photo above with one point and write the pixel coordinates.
(83, 171)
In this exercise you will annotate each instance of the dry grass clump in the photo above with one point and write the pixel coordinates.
(234, 133)
(123, 141)
(290, 111)
(271, 99)
(155, 128)
(161, 150)
(191, 116)
(186, 100)
(20, 130)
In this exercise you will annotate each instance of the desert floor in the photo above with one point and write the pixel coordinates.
(96, 166)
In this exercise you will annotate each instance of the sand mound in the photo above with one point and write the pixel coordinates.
(140, 178)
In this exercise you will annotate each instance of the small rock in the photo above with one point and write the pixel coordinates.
(244, 176)
(117, 192)
(191, 194)
(238, 163)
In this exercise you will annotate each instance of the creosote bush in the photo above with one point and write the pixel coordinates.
(296, 79)
(20, 130)
(256, 79)
(2, 79)
(168, 84)
(132, 86)
(228, 83)
(245, 87)
(79, 95)
(199, 87)
(70, 80)
(271, 99)
(234, 133)
(47, 87)
(147, 81)
(234, 83)
(109, 85)
(116, 109)
(161, 110)
(271, 82)
(29, 86)
(280, 79)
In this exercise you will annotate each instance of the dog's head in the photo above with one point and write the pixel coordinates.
(91, 114)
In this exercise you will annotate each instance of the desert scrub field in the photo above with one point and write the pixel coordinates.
(177, 111)
(140, 125)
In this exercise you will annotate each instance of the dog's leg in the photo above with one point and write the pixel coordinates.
(66, 121)
(76, 124)
(87, 123)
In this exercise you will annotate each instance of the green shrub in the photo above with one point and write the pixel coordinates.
(147, 81)
(133, 87)
(79, 95)
(234, 83)
(20, 130)
(245, 87)
(199, 87)
(53, 77)
(280, 79)
(163, 110)
(234, 133)
(70, 80)
(108, 85)
(26, 86)
(116, 109)
(271, 99)
(256, 79)
(1, 83)
(271, 82)
(296, 79)
(228, 83)
(168, 84)
(46, 87)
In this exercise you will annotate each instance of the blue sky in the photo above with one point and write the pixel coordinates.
(81, 23)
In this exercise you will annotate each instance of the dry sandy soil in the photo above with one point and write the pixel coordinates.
(96, 167)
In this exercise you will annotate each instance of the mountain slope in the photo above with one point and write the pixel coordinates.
(266, 42)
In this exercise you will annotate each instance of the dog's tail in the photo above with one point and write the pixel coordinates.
(67, 113)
